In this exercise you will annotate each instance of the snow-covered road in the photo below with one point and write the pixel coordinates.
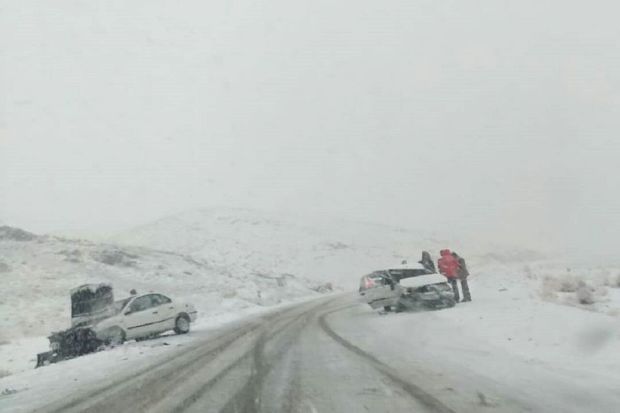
(327, 355)
(286, 360)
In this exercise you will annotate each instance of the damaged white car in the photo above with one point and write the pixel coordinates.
(97, 319)
(144, 316)
(406, 288)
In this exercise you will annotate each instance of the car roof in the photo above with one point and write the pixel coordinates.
(375, 274)
(151, 293)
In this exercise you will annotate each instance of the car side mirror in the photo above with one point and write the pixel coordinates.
(128, 312)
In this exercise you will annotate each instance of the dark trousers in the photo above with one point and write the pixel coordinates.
(464, 286)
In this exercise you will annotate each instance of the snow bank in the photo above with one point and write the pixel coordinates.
(594, 289)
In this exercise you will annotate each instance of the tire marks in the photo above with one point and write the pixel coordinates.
(252, 362)
(248, 399)
(234, 369)
(428, 400)
(148, 386)
(131, 386)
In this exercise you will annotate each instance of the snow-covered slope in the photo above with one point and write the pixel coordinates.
(340, 251)
(37, 272)
(231, 261)
(255, 241)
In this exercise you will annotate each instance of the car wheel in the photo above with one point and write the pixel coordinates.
(116, 336)
(181, 325)
(400, 307)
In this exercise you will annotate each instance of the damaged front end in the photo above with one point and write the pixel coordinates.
(90, 303)
(423, 290)
(432, 296)
(68, 344)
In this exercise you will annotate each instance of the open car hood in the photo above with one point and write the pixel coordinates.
(91, 302)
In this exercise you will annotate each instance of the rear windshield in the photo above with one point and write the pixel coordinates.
(408, 273)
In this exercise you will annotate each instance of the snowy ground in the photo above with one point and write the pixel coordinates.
(16, 389)
(514, 354)
(19, 355)
(538, 329)
(501, 353)
(37, 273)
(340, 251)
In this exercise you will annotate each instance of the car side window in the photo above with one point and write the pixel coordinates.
(163, 299)
(158, 299)
(141, 304)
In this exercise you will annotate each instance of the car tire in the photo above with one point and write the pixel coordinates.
(400, 307)
(115, 336)
(181, 324)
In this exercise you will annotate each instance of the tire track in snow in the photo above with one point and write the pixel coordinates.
(159, 379)
(248, 398)
(428, 400)
(169, 371)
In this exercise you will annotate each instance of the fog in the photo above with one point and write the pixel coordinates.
(490, 120)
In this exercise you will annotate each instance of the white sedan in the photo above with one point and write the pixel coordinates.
(144, 316)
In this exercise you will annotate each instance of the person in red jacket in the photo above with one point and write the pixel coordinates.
(449, 267)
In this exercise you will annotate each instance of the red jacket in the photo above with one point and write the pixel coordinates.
(448, 265)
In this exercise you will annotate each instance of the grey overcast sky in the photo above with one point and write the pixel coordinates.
(496, 119)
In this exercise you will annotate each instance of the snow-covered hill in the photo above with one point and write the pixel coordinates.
(37, 273)
(253, 241)
(231, 261)
(250, 241)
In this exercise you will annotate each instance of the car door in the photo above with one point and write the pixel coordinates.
(386, 292)
(141, 317)
(166, 311)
